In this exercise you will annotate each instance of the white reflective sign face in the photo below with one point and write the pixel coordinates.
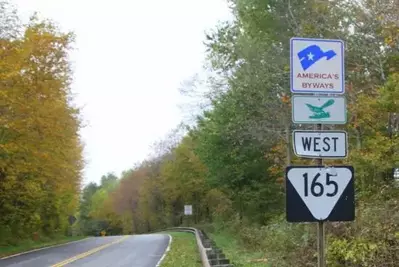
(319, 188)
(318, 109)
(317, 66)
(324, 144)
(188, 209)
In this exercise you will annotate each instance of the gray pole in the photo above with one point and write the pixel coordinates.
(320, 226)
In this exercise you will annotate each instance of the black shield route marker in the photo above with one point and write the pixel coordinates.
(318, 193)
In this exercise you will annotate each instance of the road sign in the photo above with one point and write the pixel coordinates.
(317, 193)
(318, 109)
(188, 210)
(317, 66)
(320, 144)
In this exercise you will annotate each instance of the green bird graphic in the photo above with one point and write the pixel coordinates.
(318, 112)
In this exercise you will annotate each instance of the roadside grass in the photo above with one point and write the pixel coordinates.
(27, 245)
(183, 251)
(238, 256)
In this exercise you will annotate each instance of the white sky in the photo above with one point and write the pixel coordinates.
(130, 60)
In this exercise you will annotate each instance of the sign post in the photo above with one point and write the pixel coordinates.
(319, 193)
(321, 237)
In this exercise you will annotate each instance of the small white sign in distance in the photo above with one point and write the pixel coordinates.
(317, 66)
(319, 188)
(188, 210)
(318, 109)
(320, 144)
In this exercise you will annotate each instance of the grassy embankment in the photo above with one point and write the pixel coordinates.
(183, 251)
(238, 255)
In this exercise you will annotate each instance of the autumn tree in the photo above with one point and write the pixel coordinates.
(40, 148)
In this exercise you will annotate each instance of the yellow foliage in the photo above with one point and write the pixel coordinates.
(40, 151)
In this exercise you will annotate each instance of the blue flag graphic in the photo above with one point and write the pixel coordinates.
(313, 53)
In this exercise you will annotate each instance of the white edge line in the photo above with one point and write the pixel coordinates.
(166, 252)
(38, 249)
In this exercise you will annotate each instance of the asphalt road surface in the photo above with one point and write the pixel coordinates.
(112, 251)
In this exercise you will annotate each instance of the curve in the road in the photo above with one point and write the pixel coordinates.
(115, 251)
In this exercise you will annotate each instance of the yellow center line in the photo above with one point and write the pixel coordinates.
(87, 253)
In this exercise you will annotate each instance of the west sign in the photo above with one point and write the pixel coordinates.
(320, 144)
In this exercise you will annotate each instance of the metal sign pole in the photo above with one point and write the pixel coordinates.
(320, 244)
(320, 226)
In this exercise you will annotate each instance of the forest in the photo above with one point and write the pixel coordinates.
(230, 162)
(41, 158)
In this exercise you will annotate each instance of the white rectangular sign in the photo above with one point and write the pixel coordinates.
(317, 66)
(188, 210)
(318, 109)
(320, 144)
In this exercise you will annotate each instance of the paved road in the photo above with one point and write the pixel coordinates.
(112, 251)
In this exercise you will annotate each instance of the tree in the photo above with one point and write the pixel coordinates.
(39, 132)
(183, 182)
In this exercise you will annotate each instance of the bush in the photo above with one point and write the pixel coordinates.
(284, 244)
(372, 240)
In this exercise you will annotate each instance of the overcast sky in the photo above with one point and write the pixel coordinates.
(130, 59)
